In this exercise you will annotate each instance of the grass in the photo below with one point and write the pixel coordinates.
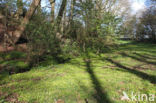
(96, 79)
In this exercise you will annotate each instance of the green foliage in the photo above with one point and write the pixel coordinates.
(12, 55)
(41, 37)
(13, 62)
(95, 29)
(75, 58)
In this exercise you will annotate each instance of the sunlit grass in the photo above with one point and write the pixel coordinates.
(72, 83)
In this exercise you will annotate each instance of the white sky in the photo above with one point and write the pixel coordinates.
(138, 5)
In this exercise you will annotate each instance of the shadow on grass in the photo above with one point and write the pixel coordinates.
(140, 74)
(139, 59)
(101, 96)
(17, 62)
(145, 56)
(137, 46)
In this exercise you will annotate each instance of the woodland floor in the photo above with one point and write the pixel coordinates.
(96, 79)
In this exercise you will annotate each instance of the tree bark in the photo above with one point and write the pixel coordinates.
(60, 14)
(17, 33)
(52, 2)
(72, 9)
(19, 9)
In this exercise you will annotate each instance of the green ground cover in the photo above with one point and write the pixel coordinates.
(93, 78)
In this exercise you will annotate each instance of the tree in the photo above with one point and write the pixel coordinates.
(17, 33)
(19, 11)
(148, 24)
(61, 11)
(52, 2)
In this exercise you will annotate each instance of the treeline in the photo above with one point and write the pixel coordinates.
(142, 26)
(68, 27)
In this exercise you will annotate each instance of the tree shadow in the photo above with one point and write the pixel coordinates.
(100, 95)
(145, 56)
(140, 74)
(139, 59)
(137, 46)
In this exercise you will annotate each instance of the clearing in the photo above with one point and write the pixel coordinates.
(90, 79)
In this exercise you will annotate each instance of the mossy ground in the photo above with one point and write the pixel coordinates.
(96, 79)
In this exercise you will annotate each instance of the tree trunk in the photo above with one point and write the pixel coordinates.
(60, 14)
(19, 9)
(69, 22)
(71, 10)
(52, 2)
(58, 20)
(71, 13)
(17, 34)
